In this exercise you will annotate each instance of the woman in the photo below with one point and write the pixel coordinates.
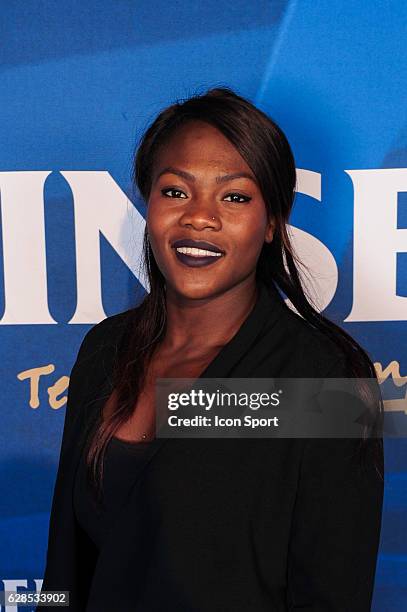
(212, 524)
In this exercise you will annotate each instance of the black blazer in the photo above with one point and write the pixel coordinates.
(223, 525)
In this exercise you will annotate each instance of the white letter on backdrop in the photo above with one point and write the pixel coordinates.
(321, 283)
(25, 268)
(376, 242)
(101, 207)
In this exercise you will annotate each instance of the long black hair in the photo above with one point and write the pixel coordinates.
(265, 148)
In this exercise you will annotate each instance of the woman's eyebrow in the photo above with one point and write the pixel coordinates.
(219, 179)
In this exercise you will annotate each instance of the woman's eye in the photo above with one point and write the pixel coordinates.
(175, 193)
(240, 198)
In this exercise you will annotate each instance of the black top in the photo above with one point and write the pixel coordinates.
(231, 525)
(123, 461)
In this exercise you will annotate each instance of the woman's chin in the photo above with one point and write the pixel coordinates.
(193, 289)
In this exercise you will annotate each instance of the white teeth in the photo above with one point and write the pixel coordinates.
(197, 252)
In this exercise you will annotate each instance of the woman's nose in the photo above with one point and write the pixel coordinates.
(201, 212)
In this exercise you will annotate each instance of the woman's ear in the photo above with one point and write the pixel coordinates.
(271, 224)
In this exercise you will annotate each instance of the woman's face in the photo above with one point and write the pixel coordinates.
(203, 190)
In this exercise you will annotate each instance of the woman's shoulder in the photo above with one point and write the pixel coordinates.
(105, 334)
(318, 353)
(96, 353)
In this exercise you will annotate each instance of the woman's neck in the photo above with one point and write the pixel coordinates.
(209, 323)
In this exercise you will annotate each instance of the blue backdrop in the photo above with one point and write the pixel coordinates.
(79, 84)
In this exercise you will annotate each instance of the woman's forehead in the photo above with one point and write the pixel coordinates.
(199, 147)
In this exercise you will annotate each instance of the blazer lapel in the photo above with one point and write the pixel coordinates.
(267, 310)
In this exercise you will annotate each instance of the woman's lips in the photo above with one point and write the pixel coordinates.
(195, 261)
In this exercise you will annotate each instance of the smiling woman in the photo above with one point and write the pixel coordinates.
(202, 188)
(228, 524)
